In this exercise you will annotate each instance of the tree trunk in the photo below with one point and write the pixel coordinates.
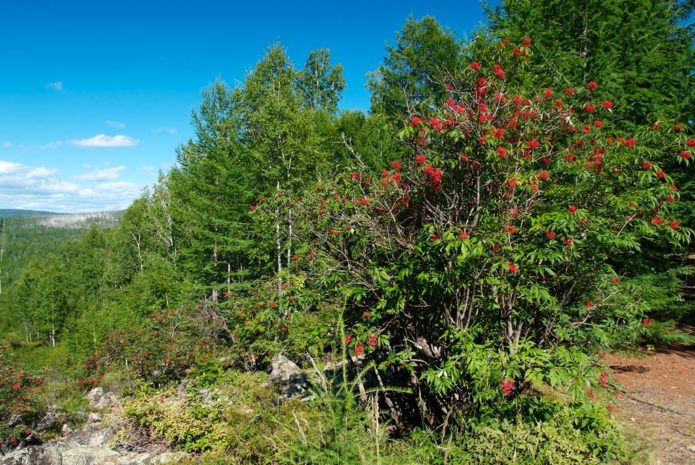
(278, 244)
(289, 237)
(138, 240)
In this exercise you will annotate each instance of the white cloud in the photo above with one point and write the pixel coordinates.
(41, 172)
(115, 124)
(112, 190)
(24, 180)
(104, 141)
(114, 186)
(57, 86)
(162, 129)
(40, 188)
(103, 174)
(7, 144)
(7, 167)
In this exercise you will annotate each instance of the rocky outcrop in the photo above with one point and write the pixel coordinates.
(51, 454)
(96, 443)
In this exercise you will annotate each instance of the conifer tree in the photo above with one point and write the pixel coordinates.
(210, 194)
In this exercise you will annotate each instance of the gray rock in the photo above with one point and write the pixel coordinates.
(170, 458)
(283, 369)
(48, 422)
(93, 444)
(90, 456)
(288, 377)
(72, 454)
(102, 400)
(34, 455)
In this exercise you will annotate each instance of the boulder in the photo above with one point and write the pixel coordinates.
(49, 421)
(35, 455)
(288, 377)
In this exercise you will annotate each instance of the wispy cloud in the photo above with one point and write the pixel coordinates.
(149, 170)
(51, 145)
(111, 190)
(115, 124)
(163, 130)
(103, 174)
(7, 144)
(57, 86)
(41, 173)
(104, 141)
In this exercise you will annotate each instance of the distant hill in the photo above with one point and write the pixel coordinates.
(11, 212)
(78, 220)
(24, 219)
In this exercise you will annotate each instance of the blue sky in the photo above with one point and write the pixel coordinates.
(95, 96)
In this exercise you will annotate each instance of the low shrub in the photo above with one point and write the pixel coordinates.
(543, 432)
(229, 417)
(574, 434)
(164, 350)
(18, 403)
(263, 322)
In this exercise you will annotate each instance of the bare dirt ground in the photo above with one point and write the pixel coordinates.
(657, 404)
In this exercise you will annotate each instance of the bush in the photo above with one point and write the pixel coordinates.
(492, 258)
(18, 405)
(574, 434)
(264, 323)
(534, 429)
(164, 350)
(230, 417)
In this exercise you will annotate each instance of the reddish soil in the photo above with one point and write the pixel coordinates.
(658, 402)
